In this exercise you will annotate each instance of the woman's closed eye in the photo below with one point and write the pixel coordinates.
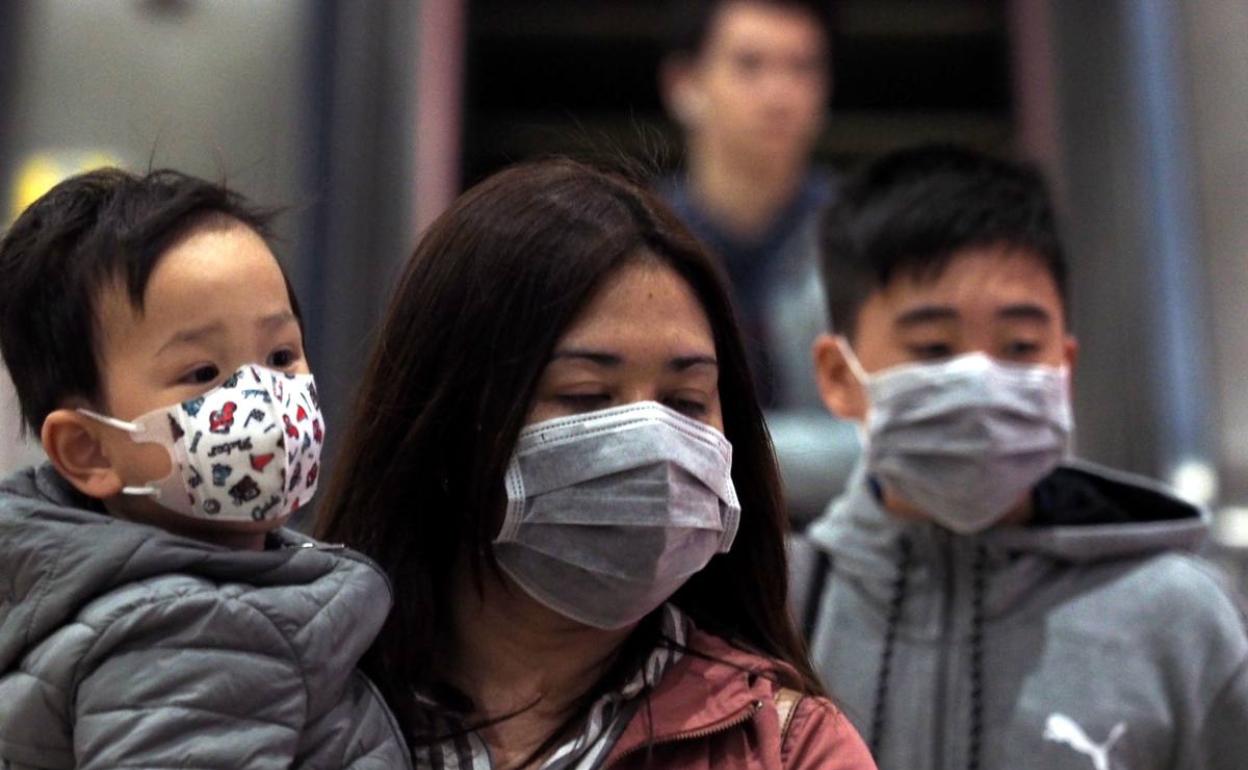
(688, 406)
(584, 402)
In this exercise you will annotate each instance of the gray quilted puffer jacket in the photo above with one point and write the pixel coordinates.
(122, 645)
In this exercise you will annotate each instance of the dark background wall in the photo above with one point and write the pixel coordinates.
(560, 75)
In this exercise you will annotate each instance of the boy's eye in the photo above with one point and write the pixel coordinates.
(931, 351)
(201, 375)
(280, 359)
(1020, 349)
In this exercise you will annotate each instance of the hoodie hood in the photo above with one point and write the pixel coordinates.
(61, 552)
(1083, 513)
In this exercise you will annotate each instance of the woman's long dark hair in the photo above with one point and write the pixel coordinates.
(489, 291)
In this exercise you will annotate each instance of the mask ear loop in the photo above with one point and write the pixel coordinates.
(851, 360)
(128, 427)
(514, 513)
(860, 374)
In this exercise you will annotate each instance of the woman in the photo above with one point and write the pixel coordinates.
(558, 458)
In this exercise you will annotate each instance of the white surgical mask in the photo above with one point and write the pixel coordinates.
(247, 450)
(610, 512)
(964, 439)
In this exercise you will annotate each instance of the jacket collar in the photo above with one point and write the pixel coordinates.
(1146, 518)
(714, 686)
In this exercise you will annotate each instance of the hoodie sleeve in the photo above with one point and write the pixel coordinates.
(821, 737)
(1223, 740)
(196, 680)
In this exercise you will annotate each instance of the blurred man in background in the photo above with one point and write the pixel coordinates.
(748, 82)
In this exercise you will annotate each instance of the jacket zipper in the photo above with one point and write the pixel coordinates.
(351, 554)
(360, 558)
(727, 723)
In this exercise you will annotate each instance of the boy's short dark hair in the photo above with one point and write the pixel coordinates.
(691, 20)
(911, 211)
(86, 233)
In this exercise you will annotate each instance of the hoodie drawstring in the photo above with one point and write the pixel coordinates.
(895, 604)
(979, 571)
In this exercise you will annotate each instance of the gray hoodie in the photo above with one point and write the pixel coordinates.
(1087, 639)
(124, 645)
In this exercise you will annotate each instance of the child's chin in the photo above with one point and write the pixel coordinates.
(148, 512)
(242, 527)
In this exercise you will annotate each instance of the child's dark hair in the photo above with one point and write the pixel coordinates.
(911, 211)
(86, 233)
(691, 20)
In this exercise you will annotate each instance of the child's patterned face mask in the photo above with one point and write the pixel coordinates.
(247, 450)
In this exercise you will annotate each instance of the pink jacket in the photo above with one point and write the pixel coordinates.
(718, 712)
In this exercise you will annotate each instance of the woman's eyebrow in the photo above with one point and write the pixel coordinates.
(599, 357)
(681, 363)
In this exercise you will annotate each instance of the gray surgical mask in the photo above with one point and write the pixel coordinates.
(610, 512)
(965, 439)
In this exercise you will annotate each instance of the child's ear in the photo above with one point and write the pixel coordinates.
(842, 393)
(73, 443)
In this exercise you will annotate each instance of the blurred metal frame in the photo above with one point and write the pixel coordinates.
(9, 56)
(360, 227)
(1142, 386)
(440, 83)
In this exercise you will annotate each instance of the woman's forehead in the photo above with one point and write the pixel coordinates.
(644, 304)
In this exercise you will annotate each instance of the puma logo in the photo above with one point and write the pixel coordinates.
(1062, 729)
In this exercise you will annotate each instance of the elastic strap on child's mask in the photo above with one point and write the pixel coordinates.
(128, 427)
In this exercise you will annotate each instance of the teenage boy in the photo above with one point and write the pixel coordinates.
(153, 611)
(985, 602)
